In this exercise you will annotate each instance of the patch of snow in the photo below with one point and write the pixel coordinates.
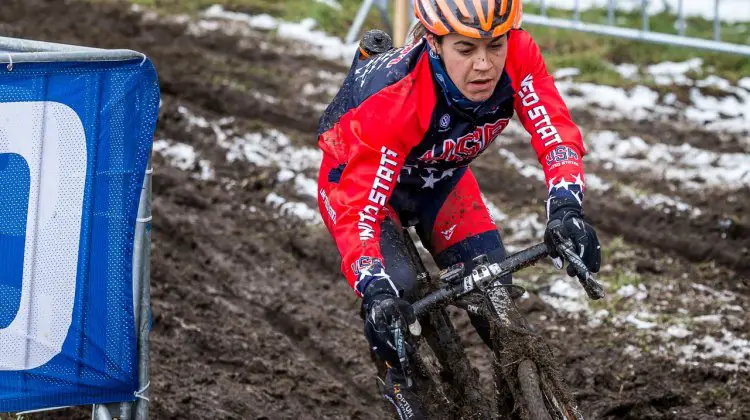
(640, 324)
(670, 73)
(730, 113)
(678, 331)
(285, 175)
(184, 157)
(296, 209)
(324, 45)
(566, 295)
(207, 170)
(658, 201)
(306, 186)
(496, 214)
(333, 4)
(192, 119)
(636, 292)
(524, 229)
(264, 97)
(708, 319)
(626, 70)
(567, 72)
(723, 295)
(179, 155)
(528, 171)
(727, 347)
(689, 166)
(262, 21)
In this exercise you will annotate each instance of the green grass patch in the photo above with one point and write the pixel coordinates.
(592, 54)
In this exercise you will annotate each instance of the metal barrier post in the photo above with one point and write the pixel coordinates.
(717, 25)
(143, 252)
(359, 20)
(400, 23)
(680, 18)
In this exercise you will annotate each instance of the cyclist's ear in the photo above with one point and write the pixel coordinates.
(434, 42)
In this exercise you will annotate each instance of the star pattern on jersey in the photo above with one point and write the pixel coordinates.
(434, 176)
(370, 273)
(429, 181)
(575, 188)
(448, 173)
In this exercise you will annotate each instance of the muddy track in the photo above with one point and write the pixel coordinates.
(251, 316)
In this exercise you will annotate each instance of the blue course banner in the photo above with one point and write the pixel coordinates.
(75, 138)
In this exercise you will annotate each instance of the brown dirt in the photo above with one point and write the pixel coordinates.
(252, 319)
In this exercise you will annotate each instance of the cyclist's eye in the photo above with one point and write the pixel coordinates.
(464, 52)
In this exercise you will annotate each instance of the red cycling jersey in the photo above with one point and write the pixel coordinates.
(391, 119)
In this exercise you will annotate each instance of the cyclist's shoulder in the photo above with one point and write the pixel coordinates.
(370, 76)
(373, 76)
(521, 46)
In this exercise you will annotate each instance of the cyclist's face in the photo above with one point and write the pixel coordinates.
(474, 65)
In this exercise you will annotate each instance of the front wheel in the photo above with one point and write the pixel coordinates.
(528, 379)
(540, 398)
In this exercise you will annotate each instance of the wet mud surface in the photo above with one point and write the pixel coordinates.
(252, 319)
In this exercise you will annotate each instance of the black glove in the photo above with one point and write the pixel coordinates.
(564, 204)
(382, 306)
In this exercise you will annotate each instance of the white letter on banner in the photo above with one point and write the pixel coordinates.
(50, 136)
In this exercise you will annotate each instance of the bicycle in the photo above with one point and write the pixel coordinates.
(528, 383)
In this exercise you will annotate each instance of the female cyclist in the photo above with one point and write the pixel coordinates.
(397, 142)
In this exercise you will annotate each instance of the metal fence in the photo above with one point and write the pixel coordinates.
(16, 51)
(610, 28)
(644, 33)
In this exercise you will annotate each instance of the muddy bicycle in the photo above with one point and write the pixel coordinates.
(528, 382)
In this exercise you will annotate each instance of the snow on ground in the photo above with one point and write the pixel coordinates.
(729, 10)
(729, 113)
(684, 165)
(644, 200)
(641, 308)
(324, 45)
(333, 4)
(184, 157)
(270, 148)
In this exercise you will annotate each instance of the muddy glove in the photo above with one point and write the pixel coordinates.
(564, 204)
(382, 306)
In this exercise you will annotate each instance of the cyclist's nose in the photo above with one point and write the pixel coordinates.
(482, 63)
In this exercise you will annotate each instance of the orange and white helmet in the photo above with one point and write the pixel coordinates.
(471, 18)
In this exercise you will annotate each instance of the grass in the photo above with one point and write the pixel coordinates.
(563, 47)
(592, 54)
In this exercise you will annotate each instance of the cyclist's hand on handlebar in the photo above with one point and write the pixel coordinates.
(383, 307)
(565, 208)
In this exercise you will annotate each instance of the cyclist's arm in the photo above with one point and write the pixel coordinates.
(379, 133)
(554, 136)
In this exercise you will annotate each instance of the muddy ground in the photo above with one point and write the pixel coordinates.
(252, 319)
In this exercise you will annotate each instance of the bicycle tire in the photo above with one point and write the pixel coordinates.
(530, 385)
(561, 411)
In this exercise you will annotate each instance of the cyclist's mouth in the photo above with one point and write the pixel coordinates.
(481, 84)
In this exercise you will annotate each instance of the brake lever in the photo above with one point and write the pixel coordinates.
(566, 248)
